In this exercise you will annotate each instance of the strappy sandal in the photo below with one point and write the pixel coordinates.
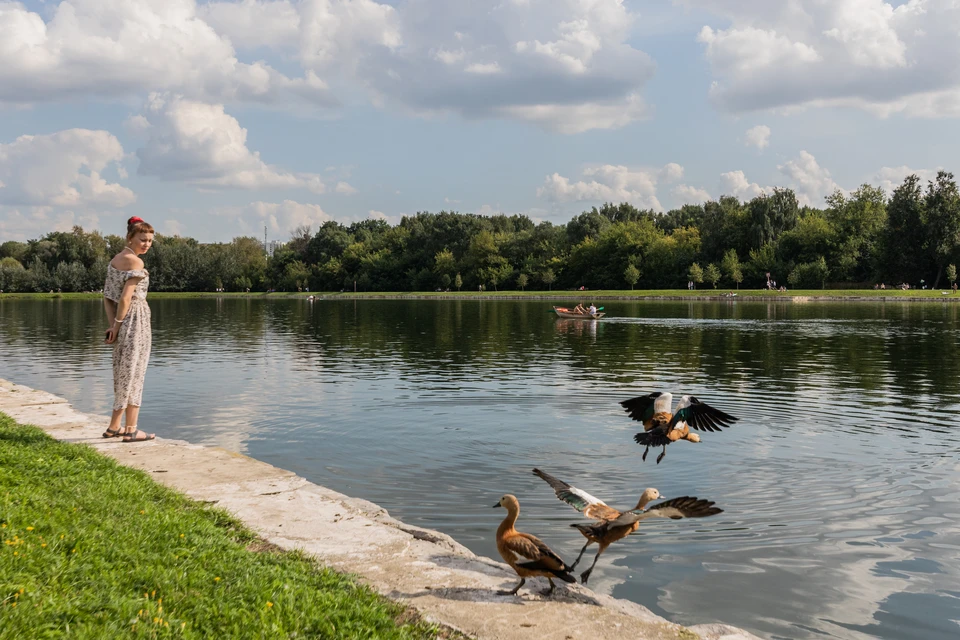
(112, 433)
(132, 436)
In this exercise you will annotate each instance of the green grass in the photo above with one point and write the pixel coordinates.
(639, 294)
(91, 549)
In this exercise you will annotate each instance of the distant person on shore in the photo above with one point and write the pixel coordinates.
(125, 300)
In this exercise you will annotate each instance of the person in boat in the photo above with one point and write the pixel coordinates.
(593, 309)
(580, 309)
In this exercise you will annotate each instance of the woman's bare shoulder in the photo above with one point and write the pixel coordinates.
(126, 261)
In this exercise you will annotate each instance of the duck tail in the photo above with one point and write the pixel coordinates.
(590, 530)
(564, 575)
(653, 438)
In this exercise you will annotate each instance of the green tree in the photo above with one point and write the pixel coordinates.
(548, 277)
(522, 281)
(951, 273)
(695, 273)
(242, 283)
(712, 274)
(904, 251)
(458, 281)
(731, 267)
(943, 220)
(631, 274)
(809, 274)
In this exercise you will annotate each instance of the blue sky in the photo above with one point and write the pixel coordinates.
(354, 108)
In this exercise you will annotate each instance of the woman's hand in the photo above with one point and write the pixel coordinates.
(111, 335)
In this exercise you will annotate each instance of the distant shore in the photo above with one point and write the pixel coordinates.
(804, 295)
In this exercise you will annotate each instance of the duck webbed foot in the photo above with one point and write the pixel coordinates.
(645, 452)
(585, 575)
(660, 457)
(515, 589)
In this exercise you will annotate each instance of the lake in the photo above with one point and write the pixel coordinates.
(839, 483)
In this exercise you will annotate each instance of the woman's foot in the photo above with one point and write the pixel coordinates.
(113, 433)
(137, 436)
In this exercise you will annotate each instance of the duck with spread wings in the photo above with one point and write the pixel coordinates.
(611, 525)
(661, 426)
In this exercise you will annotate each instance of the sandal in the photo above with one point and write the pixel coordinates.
(112, 433)
(134, 436)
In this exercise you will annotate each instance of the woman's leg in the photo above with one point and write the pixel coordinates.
(133, 412)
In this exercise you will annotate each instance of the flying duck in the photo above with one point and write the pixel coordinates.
(612, 525)
(528, 555)
(661, 427)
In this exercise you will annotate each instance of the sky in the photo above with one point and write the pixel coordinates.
(217, 119)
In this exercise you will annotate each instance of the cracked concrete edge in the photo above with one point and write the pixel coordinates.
(361, 538)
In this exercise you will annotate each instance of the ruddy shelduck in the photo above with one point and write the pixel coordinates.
(661, 427)
(529, 556)
(613, 525)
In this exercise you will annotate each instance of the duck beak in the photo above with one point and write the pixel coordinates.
(497, 505)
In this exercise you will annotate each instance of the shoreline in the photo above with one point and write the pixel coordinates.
(425, 569)
(718, 295)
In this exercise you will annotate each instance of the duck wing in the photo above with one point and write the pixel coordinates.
(641, 407)
(675, 509)
(700, 416)
(578, 498)
(534, 552)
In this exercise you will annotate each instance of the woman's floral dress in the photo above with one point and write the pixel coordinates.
(132, 348)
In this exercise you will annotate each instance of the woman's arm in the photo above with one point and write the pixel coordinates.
(122, 309)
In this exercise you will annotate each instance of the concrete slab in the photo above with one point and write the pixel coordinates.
(428, 570)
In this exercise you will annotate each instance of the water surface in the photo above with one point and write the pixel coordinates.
(839, 483)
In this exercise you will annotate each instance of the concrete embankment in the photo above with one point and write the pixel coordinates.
(425, 569)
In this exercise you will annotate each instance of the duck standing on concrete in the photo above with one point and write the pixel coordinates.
(529, 556)
(613, 525)
(661, 427)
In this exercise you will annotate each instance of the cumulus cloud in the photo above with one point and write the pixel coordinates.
(565, 65)
(345, 188)
(27, 223)
(117, 48)
(867, 54)
(686, 194)
(202, 145)
(613, 183)
(811, 182)
(62, 169)
(889, 178)
(280, 218)
(758, 136)
(254, 23)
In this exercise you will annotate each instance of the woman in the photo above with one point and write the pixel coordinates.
(125, 299)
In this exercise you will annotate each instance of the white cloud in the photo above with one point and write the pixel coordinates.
(758, 136)
(564, 65)
(686, 194)
(254, 23)
(811, 182)
(280, 218)
(735, 183)
(62, 169)
(889, 178)
(612, 183)
(116, 48)
(172, 228)
(202, 145)
(877, 55)
(345, 188)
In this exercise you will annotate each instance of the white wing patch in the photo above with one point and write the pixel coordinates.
(586, 496)
(663, 403)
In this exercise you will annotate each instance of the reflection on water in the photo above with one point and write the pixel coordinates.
(839, 483)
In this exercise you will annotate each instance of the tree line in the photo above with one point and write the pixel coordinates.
(859, 239)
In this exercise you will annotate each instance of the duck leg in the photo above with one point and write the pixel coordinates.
(550, 590)
(515, 589)
(577, 561)
(645, 452)
(660, 457)
(586, 574)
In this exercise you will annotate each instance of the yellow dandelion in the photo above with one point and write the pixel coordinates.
(44, 544)
(269, 604)
(181, 535)
(29, 528)
(217, 579)
(142, 512)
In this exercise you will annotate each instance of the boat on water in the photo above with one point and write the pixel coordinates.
(569, 314)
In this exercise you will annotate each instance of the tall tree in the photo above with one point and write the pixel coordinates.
(943, 220)
(905, 255)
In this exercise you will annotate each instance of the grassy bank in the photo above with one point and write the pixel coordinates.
(91, 549)
(648, 294)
